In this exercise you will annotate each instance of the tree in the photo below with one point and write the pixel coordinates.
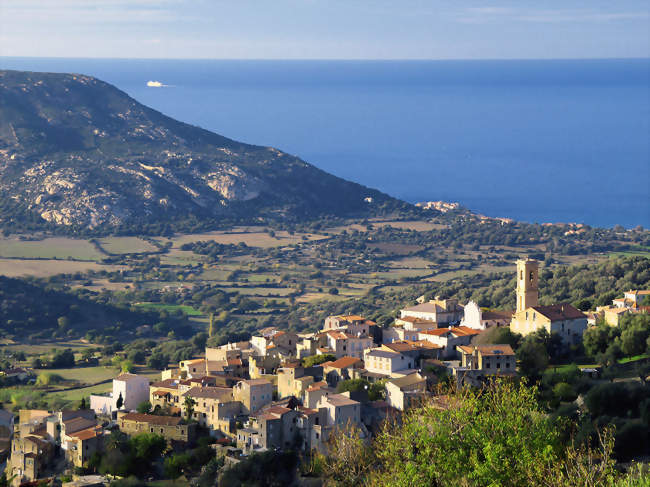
(317, 359)
(158, 360)
(495, 436)
(144, 407)
(189, 404)
(533, 358)
(63, 322)
(82, 403)
(120, 402)
(349, 458)
(266, 469)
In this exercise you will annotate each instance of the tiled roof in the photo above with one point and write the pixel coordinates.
(343, 363)
(86, 434)
(464, 331)
(78, 424)
(402, 346)
(375, 352)
(488, 350)
(559, 312)
(340, 400)
(208, 392)
(152, 419)
(496, 315)
(424, 308)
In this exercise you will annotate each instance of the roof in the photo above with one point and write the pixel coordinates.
(193, 361)
(273, 412)
(464, 331)
(78, 424)
(127, 377)
(340, 400)
(343, 363)
(350, 317)
(316, 386)
(559, 312)
(168, 383)
(307, 411)
(437, 332)
(86, 434)
(496, 315)
(489, 350)
(256, 382)
(152, 419)
(338, 335)
(375, 352)
(208, 392)
(424, 308)
(160, 393)
(402, 346)
(408, 380)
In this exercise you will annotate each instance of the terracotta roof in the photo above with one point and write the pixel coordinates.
(559, 312)
(338, 335)
(193, 361)
(86, 434)
(402, 346)
(464, 331)
(160, 393)
(78, 424)
(375, 352)
(437, 332)
(152, 419)
(254, 382)
(307, 411)
(343, 362)
(316, 386)
(234, 361)
(208, 392)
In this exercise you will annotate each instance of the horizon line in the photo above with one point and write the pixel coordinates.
(108, 58)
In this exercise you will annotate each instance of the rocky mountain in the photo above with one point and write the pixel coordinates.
(78, 152)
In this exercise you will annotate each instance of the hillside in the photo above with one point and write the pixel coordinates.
(79, 153)
(31, 310)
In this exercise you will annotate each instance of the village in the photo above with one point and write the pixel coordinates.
(282, 390)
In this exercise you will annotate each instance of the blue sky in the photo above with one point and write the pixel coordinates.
(325, 29)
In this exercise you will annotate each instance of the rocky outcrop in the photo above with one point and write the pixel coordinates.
(77, 151)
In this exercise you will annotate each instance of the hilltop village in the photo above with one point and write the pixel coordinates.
(293, 391)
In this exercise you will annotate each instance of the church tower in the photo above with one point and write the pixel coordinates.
(527, 283)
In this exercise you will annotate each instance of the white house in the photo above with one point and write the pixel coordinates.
(132, 388)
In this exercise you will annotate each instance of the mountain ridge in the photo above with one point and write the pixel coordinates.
(78, 152)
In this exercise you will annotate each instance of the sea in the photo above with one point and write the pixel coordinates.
(535, 140)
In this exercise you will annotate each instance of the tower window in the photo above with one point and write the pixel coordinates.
(521, 275)
(531, 276)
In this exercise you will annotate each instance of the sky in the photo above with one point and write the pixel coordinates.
(325, 29)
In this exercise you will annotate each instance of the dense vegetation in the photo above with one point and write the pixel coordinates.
(494, 436)
(29, 309)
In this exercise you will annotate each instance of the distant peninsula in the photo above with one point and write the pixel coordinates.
(78, 153)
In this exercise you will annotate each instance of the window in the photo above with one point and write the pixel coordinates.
(526, 315)
(531, 277)
(521, 275)
(534, 315)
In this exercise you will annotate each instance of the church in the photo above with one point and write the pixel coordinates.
(563, 319)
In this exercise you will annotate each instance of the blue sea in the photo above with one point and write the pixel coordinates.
(539, 141)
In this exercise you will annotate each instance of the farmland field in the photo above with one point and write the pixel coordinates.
(47, 268)
(188, 310)
(49, 248)
(126, 245)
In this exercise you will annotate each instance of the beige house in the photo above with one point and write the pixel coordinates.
(491, 359)
(341, 369)
(172, 428)
(343, 344)
(206, 401)
(385, 362)
(253, 394)
(340, 410)
(449, 338)
(441, 311)
(292, 381)
(404, 392)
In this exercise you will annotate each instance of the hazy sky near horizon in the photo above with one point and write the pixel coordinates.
(325, 29)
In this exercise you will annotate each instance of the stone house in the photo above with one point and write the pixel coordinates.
(172, 428)
(253, 394)
(404, 392)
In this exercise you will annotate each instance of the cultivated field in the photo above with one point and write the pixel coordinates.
(47, 268)
(49, 248)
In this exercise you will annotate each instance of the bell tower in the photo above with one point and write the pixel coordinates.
(527, 283)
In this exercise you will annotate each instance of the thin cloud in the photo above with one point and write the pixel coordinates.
(484, 15)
